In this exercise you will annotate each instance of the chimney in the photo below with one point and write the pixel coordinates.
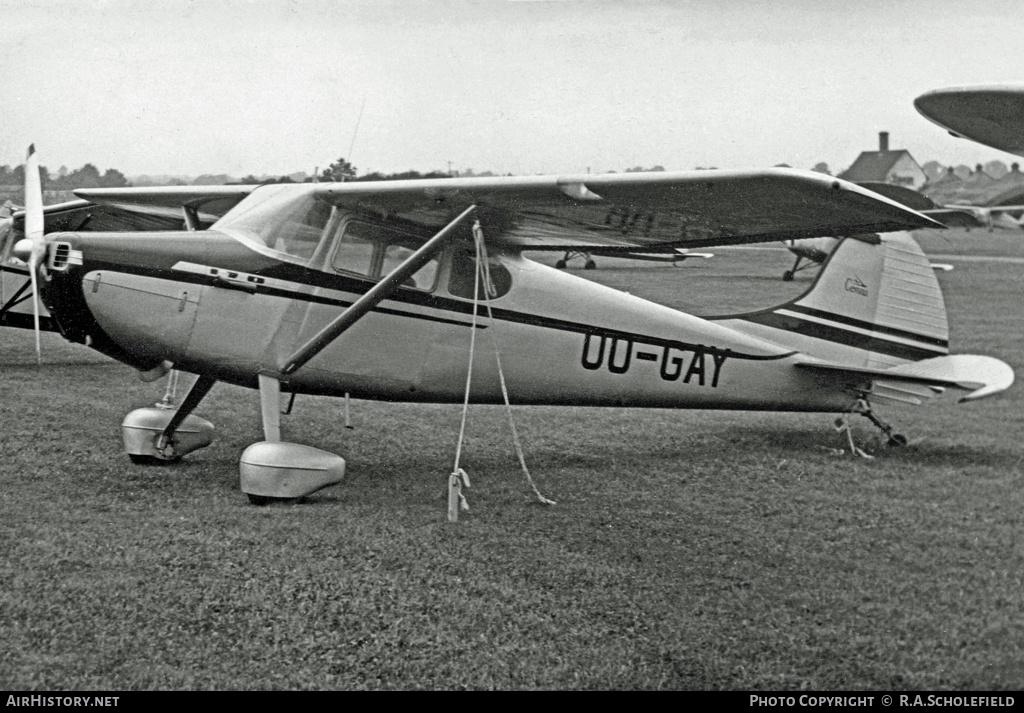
(883, 140)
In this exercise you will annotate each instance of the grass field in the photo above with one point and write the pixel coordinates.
(688, 549)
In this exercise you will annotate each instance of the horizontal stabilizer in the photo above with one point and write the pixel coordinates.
(988, 374)
(980, 375)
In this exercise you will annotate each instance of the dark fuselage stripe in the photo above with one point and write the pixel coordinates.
(868, 326)
(842, 335)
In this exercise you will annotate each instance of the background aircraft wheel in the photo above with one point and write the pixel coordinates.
(590, 265)
(139, 459)
(897, 439)
(787, 276)
(560, 264)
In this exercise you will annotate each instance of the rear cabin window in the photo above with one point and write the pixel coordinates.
(463, 277)
(373, 251)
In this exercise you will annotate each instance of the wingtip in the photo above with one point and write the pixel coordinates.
(31, 149)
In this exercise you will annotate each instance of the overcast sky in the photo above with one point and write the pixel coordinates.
(535, 86)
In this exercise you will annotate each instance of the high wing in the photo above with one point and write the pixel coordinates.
(657, 212)
(991, 115)
(118, 210)
(208, 202)
(143, 209)
(82, 215)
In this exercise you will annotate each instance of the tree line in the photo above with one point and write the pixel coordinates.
(339, 172)
(88, 176)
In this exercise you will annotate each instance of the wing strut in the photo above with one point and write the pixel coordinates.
(381, 291)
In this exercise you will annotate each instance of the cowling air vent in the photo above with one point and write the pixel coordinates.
(61, 256)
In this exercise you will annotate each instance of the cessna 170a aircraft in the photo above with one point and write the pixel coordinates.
(373, 289)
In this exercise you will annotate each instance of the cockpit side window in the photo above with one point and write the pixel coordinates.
(354, 254)
(374, 251)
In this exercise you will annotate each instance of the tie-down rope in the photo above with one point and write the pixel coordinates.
(458, 478)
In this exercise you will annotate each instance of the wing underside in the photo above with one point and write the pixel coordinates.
(656, 212)
(990, 115)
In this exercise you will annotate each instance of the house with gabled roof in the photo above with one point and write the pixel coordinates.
(897, 167)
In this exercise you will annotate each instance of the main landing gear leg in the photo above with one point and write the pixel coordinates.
(159, 435)
(788, 275)
(588, 261)
(273, 469)
(171, 394)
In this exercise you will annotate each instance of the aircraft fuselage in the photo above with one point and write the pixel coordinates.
(211, 305)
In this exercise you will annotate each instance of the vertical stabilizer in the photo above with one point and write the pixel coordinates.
(876, 303)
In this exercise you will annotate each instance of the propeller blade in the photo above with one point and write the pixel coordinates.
(34, 228)
(33, 200)
(35, 307)
(6, 231)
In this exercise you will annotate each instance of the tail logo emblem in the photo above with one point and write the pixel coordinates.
(854, 284)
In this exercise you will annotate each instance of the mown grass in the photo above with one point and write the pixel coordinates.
(688, 550)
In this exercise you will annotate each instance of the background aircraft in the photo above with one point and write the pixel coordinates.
(992, 115)
(373, 290)
(814, 251)
(673, 258)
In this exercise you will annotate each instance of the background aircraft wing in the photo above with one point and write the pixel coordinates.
(657, 212)
(990, 115)
(953, 217)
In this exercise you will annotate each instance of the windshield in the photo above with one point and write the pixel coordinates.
(286, 218)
